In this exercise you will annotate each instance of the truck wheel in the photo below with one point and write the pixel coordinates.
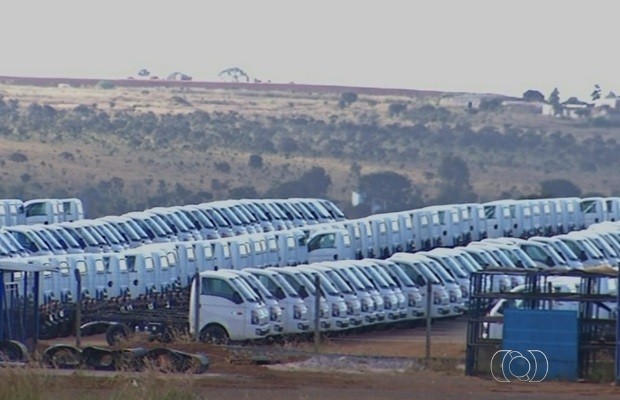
(214, 334)
(116, 333)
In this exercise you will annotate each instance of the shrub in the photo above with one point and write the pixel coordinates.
(18, 157)
(256, 161)
(346, 99)
(106, 85)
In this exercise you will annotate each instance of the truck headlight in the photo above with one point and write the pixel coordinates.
(366, 304)
(335, 310)
(411, 300)
(387, 303)
(275, 313)
(255, 317)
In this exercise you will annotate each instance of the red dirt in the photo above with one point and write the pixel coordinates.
(233, 376)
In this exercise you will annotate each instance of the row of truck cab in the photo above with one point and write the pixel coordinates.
(373, 270)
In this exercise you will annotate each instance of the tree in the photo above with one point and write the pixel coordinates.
(313, 183)
(533, 95)
(554, 97)
(243, 192)
(318, 180)
(554, 100)
(559, 188)
(455, 186)
(596, 93)
(388, 191)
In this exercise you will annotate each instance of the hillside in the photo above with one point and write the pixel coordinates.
(125, 145)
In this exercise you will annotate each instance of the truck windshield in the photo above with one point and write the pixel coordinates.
(288, 289)
(183, 218)
(456, 268)
(198, 219)
(50, 239)
(137, 228)
(217, 217)
(66, 237)
(340, 283)
(394, 270)
(128, 231)
(246, 291)
(257, 286)
(326, 285)
(465, 263)
(375, 277)
(353, 281)
(418, 268)
(386, 277)
(439, 270)
(362, 278)
(157, 220)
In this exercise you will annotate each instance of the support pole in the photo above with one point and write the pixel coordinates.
(196, 315)
(35, 333)
(618, 331)
(429, 303)
(317, 313)
(78, 309)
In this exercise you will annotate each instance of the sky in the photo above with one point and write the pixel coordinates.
(483, 46)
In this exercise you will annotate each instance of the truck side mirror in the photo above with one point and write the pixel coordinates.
(583, 256)
(549, 261)
(303, 293)
(420, 281)
(236, 298)
(279, 293)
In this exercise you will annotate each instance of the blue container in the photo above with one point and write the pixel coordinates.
(538, 345)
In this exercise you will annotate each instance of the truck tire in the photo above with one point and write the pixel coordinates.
(214, 334)
(116, 334)
(13, 351)
(63, 357)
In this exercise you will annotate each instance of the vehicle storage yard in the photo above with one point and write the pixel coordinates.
(383, 364)
(377, 360)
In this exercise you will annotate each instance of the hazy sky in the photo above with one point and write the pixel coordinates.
(498, 46)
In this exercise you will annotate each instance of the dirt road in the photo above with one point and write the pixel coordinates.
(385, 364)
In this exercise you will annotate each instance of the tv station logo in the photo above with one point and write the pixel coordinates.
(513, 365)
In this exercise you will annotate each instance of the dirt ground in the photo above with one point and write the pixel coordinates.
(384, 364)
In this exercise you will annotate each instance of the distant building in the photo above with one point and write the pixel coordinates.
(523, 106)
(467, 101)
(610, 101)
(572, 108)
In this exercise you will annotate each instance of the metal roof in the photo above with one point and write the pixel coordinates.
(26, 266)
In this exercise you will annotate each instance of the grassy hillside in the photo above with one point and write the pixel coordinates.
(123, 148)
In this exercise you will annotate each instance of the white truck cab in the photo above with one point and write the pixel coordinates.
(330, 245)
(421, 275)
(294, 311)
(306, 289)
(354, 305)
(229, 309)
